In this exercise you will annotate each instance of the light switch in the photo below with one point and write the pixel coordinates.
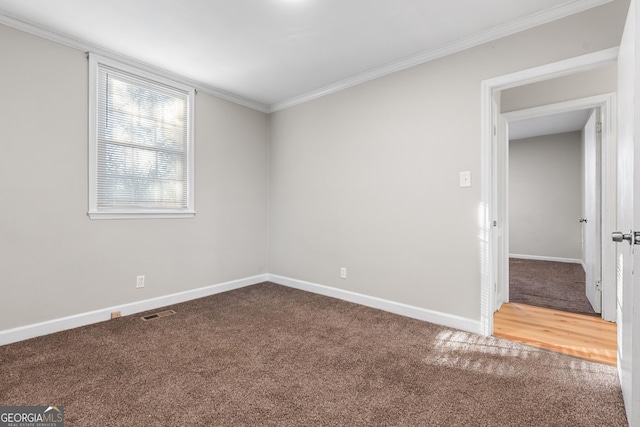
(465, 179)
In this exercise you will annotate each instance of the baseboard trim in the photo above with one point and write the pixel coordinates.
(423, 314)
(546, 258)
(22, 333)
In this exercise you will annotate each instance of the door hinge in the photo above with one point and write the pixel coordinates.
(494, 223)
(599, 127)
(599, 285)
(495, 131)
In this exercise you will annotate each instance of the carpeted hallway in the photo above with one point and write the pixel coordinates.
(270, 355)
(555, 285)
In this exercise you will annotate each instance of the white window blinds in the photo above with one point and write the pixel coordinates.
(142, 148)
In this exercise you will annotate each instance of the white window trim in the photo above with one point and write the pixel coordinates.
(131, 213)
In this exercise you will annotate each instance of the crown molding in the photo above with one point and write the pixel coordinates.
(492, 34)
(78, 44)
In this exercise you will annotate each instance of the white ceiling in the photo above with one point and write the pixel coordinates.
(267, 53)
(549, 125)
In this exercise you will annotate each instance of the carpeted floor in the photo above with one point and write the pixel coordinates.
(270, 355)
(556, 285)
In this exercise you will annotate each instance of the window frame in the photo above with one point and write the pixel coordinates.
(94, 212)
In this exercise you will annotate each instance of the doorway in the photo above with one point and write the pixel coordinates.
(553, 208)
(493, 214)
(596, 254)
(578, 172)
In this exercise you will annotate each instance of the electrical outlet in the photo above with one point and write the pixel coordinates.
(140, 281)
(343, 272)
(116, 314)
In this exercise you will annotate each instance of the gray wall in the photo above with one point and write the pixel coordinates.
(545, 196)
(367, 178)
(580, 85)
(54, 260)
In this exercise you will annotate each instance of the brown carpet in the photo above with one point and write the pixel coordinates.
(556, 285)
(270, 355)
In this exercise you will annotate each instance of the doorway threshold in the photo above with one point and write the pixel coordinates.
(578, 335)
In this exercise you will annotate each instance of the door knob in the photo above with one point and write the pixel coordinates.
(618, 236)
(582, 220)
(633, 237)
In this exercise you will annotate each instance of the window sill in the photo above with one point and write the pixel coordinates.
(141, 215)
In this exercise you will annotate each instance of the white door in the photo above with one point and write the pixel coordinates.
(629, 215)
(591, 220)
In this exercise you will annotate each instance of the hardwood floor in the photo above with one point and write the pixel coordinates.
(577, 335)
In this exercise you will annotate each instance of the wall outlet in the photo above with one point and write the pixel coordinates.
(343, 272)
(116, 314)
(140, 281)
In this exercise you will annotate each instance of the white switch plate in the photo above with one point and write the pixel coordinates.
(343, 272)
(465, 179)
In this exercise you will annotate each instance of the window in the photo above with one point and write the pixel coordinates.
(140, 143)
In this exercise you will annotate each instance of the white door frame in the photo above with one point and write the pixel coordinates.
(490, 121)
(609, 160)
